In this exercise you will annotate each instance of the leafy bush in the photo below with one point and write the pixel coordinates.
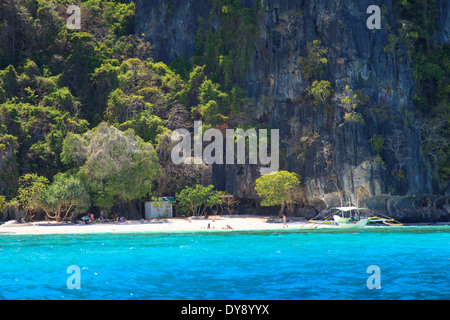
(63, 100)
(377, 143)
(64, 198)
(195, 200)
(29, 193)
(2, 203)
(354, 117)
(213, 103)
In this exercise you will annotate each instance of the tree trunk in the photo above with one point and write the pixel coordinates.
(58, 217)
(130, 208)
(67, 212)
(282, 208)
(140, 209)
(49, 215)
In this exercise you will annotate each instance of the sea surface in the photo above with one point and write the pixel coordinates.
(412, 263)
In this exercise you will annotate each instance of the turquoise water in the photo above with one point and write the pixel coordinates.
(414, 264)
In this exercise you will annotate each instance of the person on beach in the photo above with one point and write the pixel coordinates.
(284, 222)
(227, 227)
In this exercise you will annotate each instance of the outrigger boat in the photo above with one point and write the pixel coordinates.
(351, 217)
(353, 220)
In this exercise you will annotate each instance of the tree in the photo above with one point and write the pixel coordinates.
(86, 55)
(377, 144)
(2, 203)
(67, 192)
(349, 100)
(289, 23)
(116, 165)
(122, 107)
(119, 18)
(147, 126)
(213, 103)
(63, 100)
(230, 203)
(84, 58)
(321, 91)
(277, 188)
(31, 188)
(313, 64)
(10, 81)
(195, 200)
(196, 78)
(104, 80)
(396, 145)
(432, 135)
(131, 46)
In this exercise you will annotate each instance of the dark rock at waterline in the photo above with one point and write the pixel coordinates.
(416, 208)
(307, 211)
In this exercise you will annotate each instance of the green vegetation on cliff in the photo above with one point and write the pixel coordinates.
(90, 103)
(430, 64)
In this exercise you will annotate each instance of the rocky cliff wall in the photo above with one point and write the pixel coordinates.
(443, 24)
(339, 159)
(170, 25)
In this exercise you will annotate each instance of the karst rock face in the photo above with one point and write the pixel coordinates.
(337, 156)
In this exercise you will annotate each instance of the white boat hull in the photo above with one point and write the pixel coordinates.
(346, 223)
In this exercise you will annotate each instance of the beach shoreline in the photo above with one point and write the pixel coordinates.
(194, 224)
(170, 225)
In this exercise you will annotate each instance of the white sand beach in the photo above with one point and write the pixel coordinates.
(217, 223)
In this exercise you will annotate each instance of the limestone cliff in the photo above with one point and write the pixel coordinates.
(333, 156)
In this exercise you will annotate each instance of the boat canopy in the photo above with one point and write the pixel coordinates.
(348, 208)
